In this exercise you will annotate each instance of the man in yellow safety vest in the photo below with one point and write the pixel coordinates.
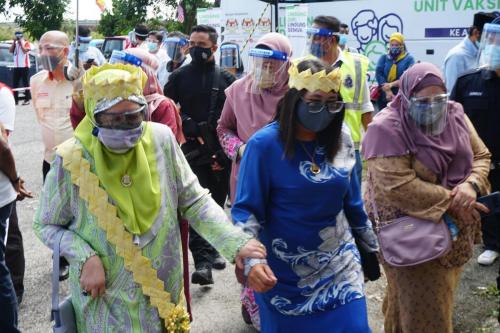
(323, 42)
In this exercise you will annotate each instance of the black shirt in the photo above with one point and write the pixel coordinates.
(191, 87)
(479, 93)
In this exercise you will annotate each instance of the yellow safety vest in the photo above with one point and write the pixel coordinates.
(354, 69)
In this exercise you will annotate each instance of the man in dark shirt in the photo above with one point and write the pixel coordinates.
(479, 93)
(198, 88)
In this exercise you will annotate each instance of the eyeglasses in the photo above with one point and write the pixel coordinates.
(317, 106)
(121, 121)
(426, 100)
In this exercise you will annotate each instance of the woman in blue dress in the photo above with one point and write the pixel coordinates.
(298, 194)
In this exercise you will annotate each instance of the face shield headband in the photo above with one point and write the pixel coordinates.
(267, 66)
(318, 41)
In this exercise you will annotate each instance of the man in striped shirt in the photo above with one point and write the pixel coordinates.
(20, 48)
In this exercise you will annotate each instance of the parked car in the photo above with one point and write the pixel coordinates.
(97, 43)
(114, 43)
(7, 64)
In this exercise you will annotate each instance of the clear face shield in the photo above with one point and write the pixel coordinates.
(174, 47)
(230, 57)
(50, 55)
(266, 67)
(319, 42)
(83, 43)
(430, 113)
(489, 50)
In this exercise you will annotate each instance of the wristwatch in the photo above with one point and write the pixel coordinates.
(475, 187)
(250, 262)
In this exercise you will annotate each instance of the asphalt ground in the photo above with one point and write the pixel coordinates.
(215, 308)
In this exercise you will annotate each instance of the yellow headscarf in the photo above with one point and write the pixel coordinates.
(397, 36)
(138, 201)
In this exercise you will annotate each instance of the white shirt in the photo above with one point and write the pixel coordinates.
(366, 105)
(7, 116)
(52, 101)
(21, 58)
(92, 53)
(7, 108)
(162, 73)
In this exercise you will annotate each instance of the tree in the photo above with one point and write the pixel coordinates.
(190, 9)
(40, 16)
(126, 14)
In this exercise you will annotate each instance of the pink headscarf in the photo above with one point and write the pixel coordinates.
(251, 110)
(153, 91)
(394, 133)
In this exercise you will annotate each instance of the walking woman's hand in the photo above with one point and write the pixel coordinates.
(252, 249)
(92, 278)
(261, 278)
(463, 195)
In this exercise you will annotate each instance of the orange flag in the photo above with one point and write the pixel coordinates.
(101, 4)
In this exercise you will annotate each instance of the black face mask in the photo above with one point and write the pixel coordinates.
(200, 54)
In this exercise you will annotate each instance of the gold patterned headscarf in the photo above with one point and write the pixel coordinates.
(131, 179)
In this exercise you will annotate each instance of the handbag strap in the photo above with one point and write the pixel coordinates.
(55, 277)
(371, 198)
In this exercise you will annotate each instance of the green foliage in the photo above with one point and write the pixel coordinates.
(40, 16)
(3, 7)
(7, 32)
(126, 14)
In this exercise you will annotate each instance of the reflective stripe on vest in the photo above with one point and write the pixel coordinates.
(354, 70)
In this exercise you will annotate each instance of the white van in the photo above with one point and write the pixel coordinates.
(431, 27)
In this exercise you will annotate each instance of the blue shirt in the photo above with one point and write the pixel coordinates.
(460, 58)
(384, 66)
(304, 220)
(91, 53)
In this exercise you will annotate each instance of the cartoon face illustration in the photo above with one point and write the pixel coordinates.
(372, 32)
(388, 25)
(365, 26)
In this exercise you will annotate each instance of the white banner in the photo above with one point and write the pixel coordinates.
(296, 26)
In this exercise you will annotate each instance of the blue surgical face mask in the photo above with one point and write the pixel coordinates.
(343, 40)
(120, 141)
(318, 50)
(491, 56)
(152, 46)
(315, 122)
(83, 47)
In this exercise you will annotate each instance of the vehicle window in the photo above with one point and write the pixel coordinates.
(32, 60)
(5, 55)
(112, 44)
